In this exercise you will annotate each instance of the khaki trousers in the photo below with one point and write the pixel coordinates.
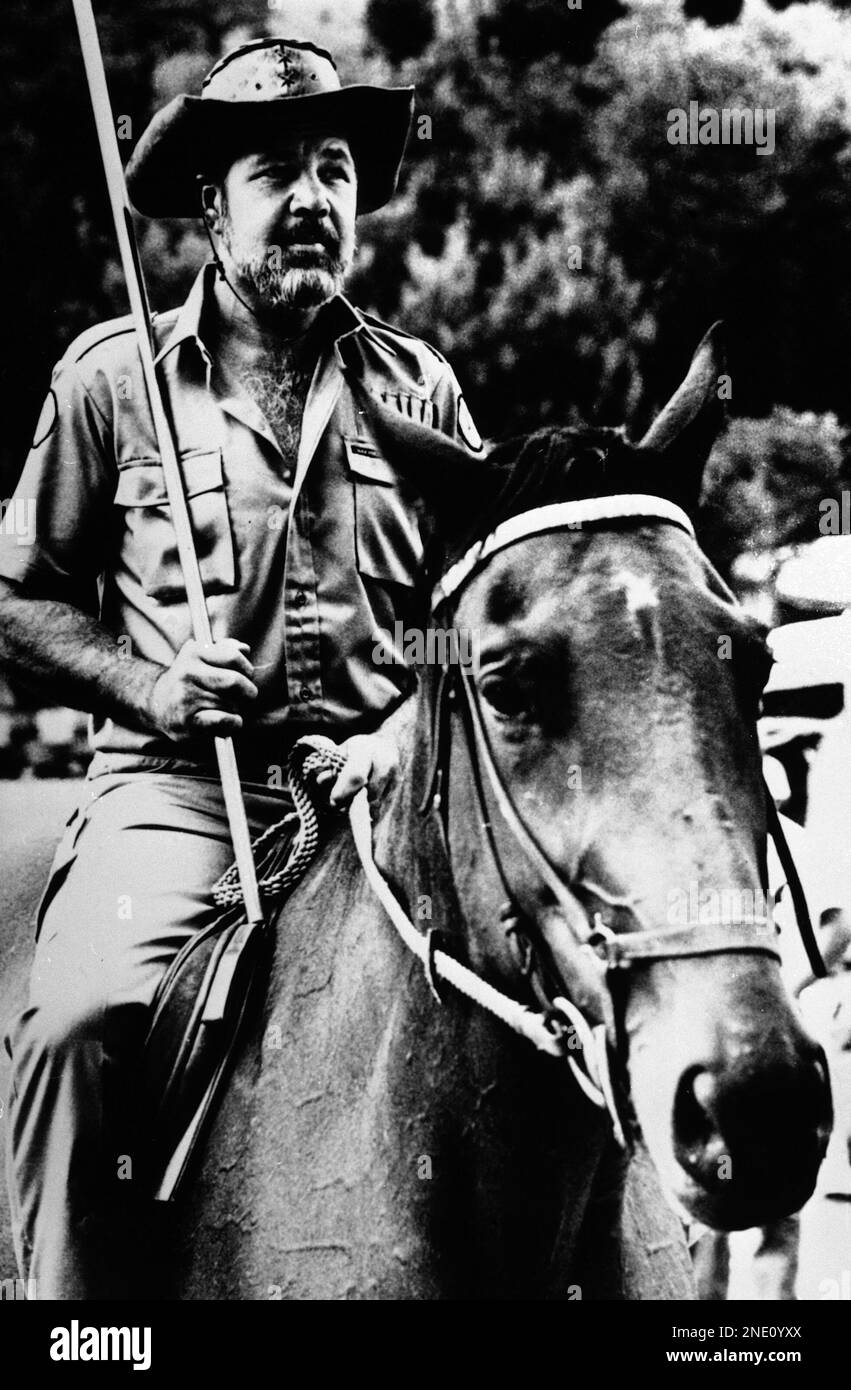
(130, 883)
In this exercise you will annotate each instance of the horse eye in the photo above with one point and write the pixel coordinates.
(507, 698)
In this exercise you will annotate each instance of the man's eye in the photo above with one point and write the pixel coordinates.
(277, 174)
(336, 171)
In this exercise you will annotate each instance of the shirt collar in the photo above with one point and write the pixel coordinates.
(342, 317)
(187, 325)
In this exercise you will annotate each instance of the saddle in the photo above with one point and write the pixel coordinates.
(199, 1011)
(216, 980)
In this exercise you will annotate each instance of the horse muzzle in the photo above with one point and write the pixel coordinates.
(733, 1098)
(749, 1140)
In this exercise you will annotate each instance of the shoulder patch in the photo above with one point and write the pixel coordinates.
(467, 428)
(46, 420)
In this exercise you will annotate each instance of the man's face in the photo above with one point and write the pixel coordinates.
(286, 216)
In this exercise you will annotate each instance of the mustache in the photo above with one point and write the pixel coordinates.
(310, 232)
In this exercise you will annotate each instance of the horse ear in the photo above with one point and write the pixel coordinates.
(448, 484)
(685, 430)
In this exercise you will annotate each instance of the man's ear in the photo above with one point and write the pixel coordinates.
(448, 486)
(211, 204)
(683, 433)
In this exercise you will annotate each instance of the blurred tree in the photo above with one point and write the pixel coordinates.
(784, 4)
(713, 12)
(716, 12)
(62, 275)
(722, 231)
(528, 156)
(401, 28)
(492, 251)
(522, 31)
(47, 168)
(765, 480)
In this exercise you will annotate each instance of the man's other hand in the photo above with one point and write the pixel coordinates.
(203, 690)
(371, 761)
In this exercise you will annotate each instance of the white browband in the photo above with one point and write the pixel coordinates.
(558, 516)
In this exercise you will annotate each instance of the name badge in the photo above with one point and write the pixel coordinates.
(365, 461)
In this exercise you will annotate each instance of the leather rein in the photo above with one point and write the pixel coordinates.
(595, 972)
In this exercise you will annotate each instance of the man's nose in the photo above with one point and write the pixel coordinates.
(308, 195)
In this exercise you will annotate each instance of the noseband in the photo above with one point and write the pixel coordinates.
(602, 954)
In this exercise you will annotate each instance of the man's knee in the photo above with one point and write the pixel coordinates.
(57, 1027)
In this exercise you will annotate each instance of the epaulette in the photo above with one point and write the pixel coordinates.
(395, 332)
(101, 333)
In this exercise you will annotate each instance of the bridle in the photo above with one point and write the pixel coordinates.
(601, 955)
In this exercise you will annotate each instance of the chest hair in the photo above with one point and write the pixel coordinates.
(277, 380)
(279, 383)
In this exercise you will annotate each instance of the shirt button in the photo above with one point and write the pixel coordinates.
(300, 599)
(305, 694)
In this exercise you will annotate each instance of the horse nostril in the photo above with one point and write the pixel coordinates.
(694, 1120)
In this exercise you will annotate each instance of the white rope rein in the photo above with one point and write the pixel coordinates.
(525, 1021)
(316, 753)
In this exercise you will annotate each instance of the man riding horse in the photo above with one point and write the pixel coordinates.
(307, 552)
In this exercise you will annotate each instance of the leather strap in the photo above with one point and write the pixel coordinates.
(799, 900)
(703, 939)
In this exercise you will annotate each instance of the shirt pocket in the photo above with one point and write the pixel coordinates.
(388, 544)
(150, 543)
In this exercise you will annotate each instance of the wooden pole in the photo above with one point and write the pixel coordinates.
(127, 245)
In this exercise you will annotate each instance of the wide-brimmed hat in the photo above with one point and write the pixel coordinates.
(267, 88)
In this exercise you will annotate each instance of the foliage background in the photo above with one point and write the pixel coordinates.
(547, 133)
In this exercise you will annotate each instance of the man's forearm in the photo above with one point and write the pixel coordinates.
(65, 653)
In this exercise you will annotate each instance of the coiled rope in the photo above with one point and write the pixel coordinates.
(312, 754)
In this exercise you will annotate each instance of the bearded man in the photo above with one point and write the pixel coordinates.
(308, 551)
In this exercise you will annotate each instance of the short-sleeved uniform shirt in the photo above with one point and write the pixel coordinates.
(311, 562)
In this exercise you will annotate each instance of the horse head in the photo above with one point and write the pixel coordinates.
(600, 791)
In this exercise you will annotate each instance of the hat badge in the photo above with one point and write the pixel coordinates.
(288, 72)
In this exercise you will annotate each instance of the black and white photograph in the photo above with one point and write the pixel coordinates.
(425, 665)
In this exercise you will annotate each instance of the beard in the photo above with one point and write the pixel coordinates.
(289, 275)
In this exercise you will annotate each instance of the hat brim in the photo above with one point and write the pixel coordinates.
(192, 135)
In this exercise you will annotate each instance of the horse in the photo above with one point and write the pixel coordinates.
(384, 1137)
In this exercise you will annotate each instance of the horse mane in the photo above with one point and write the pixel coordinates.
(558, 464)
